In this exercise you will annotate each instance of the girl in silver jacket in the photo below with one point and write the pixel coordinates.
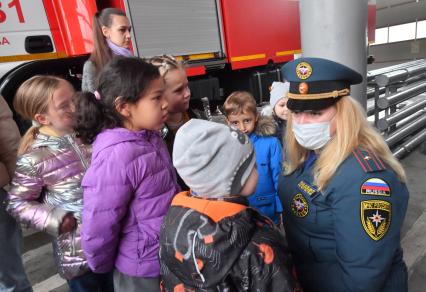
(46, 191)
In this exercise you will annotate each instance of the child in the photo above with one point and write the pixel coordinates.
(46, 191)
(177, 94)
(210, 239)
(131, 181)
(241, 112)
(278, 105)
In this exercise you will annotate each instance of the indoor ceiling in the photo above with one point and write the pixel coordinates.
(381, 4)
(393, 12)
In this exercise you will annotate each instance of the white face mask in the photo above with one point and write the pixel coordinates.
(312, 136)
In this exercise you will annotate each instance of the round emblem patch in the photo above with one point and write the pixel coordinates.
(303, 70)
(299, 206)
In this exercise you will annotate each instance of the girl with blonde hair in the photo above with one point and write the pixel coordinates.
(177, 94)
(343, 193)
(46, 191)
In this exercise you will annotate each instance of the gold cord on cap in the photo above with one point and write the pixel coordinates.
(333, 94)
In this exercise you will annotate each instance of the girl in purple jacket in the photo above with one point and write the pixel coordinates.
(131, 182)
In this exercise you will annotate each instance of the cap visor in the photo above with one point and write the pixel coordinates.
(298, 105)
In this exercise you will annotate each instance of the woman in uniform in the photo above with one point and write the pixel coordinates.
(344, 194)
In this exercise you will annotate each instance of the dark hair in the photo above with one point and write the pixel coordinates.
(101, 53)
(127, 78)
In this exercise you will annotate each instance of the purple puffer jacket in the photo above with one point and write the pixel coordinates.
(127, 191)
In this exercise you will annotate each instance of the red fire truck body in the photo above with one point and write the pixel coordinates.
(224, 42)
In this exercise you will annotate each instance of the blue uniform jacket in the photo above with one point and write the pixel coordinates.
(269, 166)
(347, 237)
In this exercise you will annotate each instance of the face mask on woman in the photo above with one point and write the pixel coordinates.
(312, 136)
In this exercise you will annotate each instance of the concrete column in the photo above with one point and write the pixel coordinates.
(337, 30)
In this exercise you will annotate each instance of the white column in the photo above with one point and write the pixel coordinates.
(337, 30)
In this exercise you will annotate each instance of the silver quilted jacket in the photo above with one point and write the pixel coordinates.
(45, 187)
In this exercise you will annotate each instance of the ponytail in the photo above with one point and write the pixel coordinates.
(89, 117)
(101, 53)
(123, 78)
(93, 116)
(28, 139)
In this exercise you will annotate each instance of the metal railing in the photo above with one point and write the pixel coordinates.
(399, 108)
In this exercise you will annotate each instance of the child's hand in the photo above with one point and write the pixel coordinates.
(68, 223)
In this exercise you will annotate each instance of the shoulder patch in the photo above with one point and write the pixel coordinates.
(307, 188)
(376, 218)
(375, 187)
(368, 160)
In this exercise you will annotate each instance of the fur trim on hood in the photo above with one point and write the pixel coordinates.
(265, 126)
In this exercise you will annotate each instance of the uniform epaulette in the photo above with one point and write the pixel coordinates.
(368, 160)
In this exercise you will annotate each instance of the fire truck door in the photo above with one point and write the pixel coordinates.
(24, 29)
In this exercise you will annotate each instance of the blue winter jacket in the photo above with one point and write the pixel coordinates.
(269, 166)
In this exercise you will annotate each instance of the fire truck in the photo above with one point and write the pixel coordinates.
(226, 44)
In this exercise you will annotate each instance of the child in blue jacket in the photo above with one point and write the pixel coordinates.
(241, 112)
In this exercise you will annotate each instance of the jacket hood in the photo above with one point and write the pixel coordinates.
(265, 126)
(203, 238)
(111, 137)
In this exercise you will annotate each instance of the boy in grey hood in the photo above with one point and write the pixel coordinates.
(210, 239)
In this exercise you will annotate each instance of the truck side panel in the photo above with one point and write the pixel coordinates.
(43, 29)
(176, 27)
(71, 25)
(259, 31)
(19, 20)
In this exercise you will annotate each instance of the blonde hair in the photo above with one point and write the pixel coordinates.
(166, 63)
(240, 102)
(353, 130)
(32, 98)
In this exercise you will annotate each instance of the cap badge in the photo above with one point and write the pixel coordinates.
(303, 70)
(303, 88)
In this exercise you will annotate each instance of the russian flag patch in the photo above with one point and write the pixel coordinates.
(375, 187)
